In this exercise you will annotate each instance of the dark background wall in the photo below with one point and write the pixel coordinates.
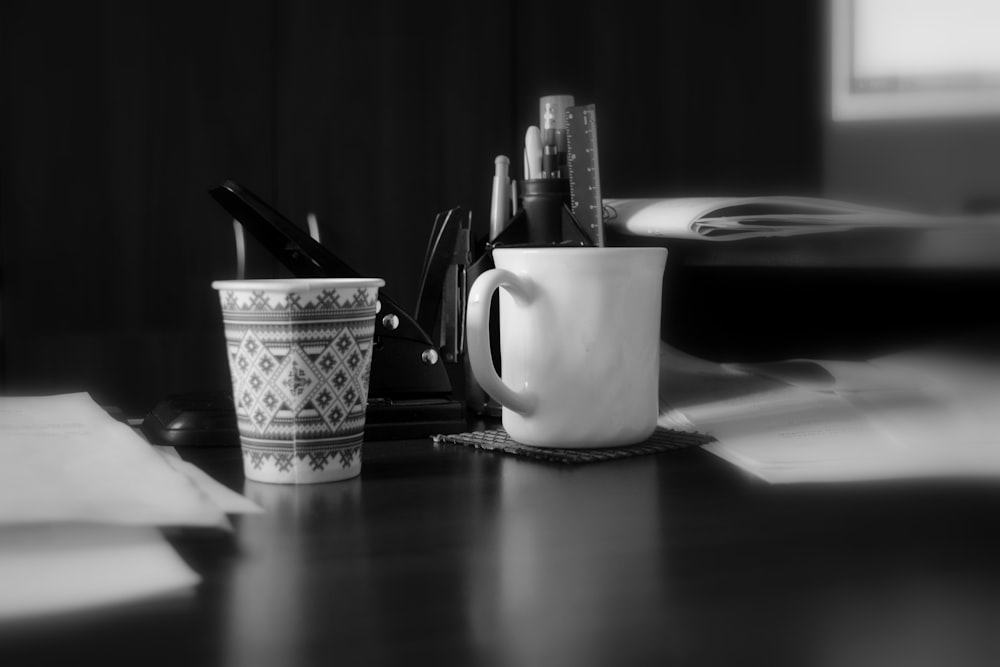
(117, 117)
(940, 165)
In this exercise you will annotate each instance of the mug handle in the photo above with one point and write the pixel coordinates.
(477, 326)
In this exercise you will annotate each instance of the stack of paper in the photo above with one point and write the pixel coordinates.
(735, 218)
(81, 499)
(810, 421)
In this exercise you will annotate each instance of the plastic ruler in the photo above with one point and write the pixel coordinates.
(584, 172)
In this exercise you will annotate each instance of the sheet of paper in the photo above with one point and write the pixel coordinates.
(62, 458)
(758, 421)
(56, 568)
(225, 498)
(706, 393)
(672, 217)
(829, 374)
(699, 217)
(803, 420)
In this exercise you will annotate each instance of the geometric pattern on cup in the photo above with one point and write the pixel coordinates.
(300, 366)
(309, 381)
(318, 461)
(258, 302)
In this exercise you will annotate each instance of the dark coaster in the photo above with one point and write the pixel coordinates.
(662, 440)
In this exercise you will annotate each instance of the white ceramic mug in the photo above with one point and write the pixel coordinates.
(579, 343)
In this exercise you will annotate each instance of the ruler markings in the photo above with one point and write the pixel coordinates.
(584, 171)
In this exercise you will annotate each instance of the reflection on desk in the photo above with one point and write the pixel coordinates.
(444, 555)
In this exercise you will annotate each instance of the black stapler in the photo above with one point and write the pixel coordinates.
(410, 392)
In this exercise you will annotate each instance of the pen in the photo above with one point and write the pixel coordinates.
(548, 121)
(313, 226)
(552, 111)
(550, 151)
(500, 201)
(533, 151)
(550, 161)
(241, 250)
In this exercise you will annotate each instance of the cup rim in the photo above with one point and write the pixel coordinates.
(295, 284)
(584, 250)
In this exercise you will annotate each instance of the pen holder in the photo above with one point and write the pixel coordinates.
(543, 202)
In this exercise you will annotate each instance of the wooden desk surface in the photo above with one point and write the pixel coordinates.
(441, 555)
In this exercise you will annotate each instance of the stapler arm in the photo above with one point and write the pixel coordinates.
(410, 392)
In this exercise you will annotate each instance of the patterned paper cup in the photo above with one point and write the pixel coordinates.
(300, 354)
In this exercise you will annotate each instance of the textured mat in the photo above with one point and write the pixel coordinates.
(662, 440)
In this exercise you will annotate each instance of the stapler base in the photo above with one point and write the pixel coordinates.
(388, 419)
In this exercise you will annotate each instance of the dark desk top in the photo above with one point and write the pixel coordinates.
(441, 555)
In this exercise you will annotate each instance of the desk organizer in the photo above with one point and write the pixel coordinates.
(662, 440)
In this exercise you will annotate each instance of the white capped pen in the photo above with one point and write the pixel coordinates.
(500, 200)
(313, 224)
(533, 151)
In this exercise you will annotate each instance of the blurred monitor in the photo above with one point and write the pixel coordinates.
(914, 58)
(913, 113)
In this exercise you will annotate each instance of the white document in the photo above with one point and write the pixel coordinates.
(804, 420)
(57, 568)
(760, 423)
(225, 498)
(62, 459)
(81, 500)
